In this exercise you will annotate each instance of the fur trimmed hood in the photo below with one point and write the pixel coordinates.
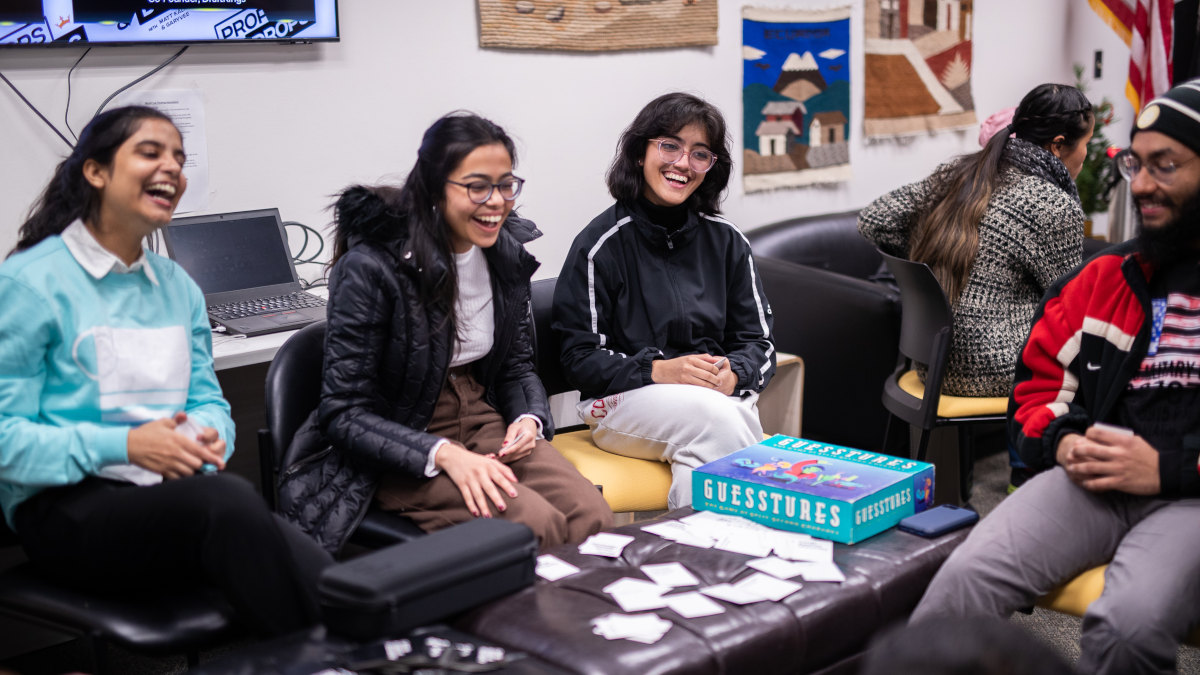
(369, 212)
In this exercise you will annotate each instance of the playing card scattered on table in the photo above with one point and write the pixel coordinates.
(644, 628)
(777, 567)
(551, 568)
(767, 586)
(672, 575)
(692, 605)
(605, 544)
(635, 595)
(731, 593)
(822, 571)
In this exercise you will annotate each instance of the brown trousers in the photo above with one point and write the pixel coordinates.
(553, 499)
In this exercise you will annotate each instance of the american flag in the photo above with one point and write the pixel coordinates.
(1146, 26)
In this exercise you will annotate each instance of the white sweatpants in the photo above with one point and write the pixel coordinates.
(683, 424)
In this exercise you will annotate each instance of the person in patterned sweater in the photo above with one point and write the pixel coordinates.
(1106, 404)
(997, 228)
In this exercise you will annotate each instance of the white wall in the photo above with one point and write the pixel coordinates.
(290, 125)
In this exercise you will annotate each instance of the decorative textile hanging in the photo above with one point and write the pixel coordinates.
(917, 66)
(795, 97)
(597, 25)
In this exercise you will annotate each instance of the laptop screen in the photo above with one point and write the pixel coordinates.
(232, 251)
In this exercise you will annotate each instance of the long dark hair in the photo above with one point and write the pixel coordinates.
(665, 116)
(947, 236)
(419, 202)
(69, 196)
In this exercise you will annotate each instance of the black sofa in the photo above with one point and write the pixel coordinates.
(816, 272)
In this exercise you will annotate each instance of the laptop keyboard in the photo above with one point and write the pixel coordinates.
(278, 303)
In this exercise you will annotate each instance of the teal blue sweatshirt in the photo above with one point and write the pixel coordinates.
(84, 359)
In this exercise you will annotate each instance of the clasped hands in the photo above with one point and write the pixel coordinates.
(157, 446)
(481, 478)
(1102, 459)
(702, 370)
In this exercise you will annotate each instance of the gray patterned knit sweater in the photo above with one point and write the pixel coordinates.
(1031, 233)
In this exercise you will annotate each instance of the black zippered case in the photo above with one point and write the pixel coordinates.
(427, 579)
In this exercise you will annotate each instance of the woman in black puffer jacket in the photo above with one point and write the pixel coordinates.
(430, 405)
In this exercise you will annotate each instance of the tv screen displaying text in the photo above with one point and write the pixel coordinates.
(58, 22)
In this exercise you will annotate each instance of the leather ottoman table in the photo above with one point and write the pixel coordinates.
(824, 627)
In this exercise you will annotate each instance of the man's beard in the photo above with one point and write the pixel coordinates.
(1177, 240)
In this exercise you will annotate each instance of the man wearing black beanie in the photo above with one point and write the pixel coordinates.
(1106, 405)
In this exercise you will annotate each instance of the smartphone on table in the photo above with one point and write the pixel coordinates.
(938, 520)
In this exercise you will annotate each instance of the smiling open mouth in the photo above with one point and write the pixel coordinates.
(164, 191)
(676, 179)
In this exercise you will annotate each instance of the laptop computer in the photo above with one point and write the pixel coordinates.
(244, 265)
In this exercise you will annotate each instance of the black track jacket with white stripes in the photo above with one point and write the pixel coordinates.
(631, 292)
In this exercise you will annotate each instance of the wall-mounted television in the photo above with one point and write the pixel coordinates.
(27, 23)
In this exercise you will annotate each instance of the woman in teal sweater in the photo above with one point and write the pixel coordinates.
(113, 429)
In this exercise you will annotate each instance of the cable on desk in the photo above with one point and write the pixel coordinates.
(300, 258)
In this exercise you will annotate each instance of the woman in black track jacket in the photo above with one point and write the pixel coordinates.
(665, 328)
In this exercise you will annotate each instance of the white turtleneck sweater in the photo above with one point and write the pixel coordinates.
(473, 309)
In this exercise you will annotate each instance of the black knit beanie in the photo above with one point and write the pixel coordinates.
(1176, 114)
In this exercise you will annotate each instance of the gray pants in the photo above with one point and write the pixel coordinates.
(1051, 530)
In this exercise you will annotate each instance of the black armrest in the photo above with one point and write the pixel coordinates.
(847, 331)
(381, 528)
(168, 621)
(829, 241)
(266, 468)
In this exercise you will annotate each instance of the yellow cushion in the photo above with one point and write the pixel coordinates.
(629, 484)
(1076, 595)
(955, 406)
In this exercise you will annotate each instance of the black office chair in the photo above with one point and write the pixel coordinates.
(161, 623)
(293, 391)
(926, 329)
(546, 343)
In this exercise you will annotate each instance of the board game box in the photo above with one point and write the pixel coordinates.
(828, 491)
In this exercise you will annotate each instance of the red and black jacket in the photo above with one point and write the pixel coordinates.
(1088, 339)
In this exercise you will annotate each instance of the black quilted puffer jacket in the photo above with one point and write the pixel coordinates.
(385, 365)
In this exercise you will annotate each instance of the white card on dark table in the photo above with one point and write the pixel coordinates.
(551, 568)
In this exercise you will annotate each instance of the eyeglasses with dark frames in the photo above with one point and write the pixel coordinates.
(1161, 170)
(480, 191)
(699, 159)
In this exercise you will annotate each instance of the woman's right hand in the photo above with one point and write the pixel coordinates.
(695, 369)
(476, 476)
(156, 446)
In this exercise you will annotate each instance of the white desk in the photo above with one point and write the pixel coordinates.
(234, 352)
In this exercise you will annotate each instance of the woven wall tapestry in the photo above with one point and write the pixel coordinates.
(917, 66)
(597, 25)
(795, 97)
